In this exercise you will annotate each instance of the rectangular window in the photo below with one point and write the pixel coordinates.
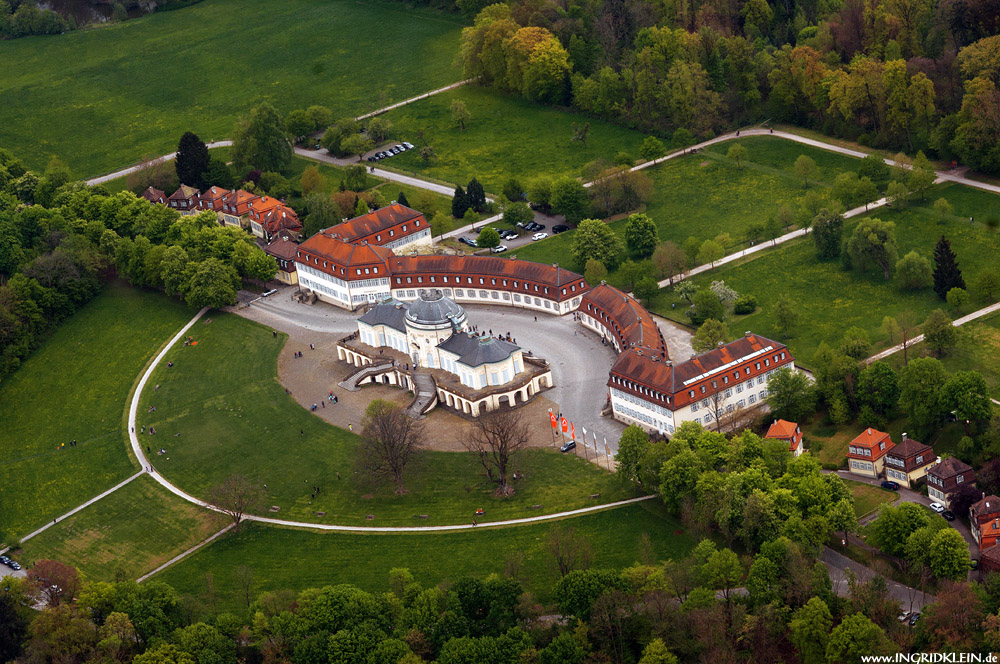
(752, 398)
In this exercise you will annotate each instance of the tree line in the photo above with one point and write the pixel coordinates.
(911, 75)
(59, 240)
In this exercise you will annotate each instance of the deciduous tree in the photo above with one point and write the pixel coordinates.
(827, 232)
(920, 384)
(939, 333)
(785, 315)
(873, 245)
(388, 439)
(641, 236)
(632, 448)
(236, 497)
(738, 153)
(496, 438)
(711, 333)
(965, 394)
(805, 168)
(460, 113)
(260, 141)
(913, 271)
(669, 260)
(595, 239)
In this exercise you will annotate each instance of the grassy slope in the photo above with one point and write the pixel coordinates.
(849, 299)
(76, 387)
(234, 417)
(705, 194)
(868, 498)
(134, 530)
(977, 349)
(505, 137)
(103, 98)
(296, 560)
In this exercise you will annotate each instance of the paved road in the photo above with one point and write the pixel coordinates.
(321, 155)
(413, 99)
(958, 322)
(838, 565)
(132, 169)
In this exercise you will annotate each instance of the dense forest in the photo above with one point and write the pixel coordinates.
(898, 74)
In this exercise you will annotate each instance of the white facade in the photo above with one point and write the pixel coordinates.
(410, 241)
(748, 394)
(345, 294)
(492, 296)
(485, 375)
(597, 326)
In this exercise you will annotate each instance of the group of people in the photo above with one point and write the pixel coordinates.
(71, 443)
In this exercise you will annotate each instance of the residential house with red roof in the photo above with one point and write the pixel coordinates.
(236, 207)
(283, 248)
(908, 462)
(268, 215)
(394, 226)
(154, 195)
(945, 478)
(984, 522)
(648, 389)
(211, 199)
(866, 453)
(184, 200)
(790, 432)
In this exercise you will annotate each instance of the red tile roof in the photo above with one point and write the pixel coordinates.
(154, 195)
(211, 198)
(184, 192)
(282, 247)
(985, 508)
(625, 317)
(871, 439)
(715, 370)
(377, 221)
(486, 267)
(336, 257)
(238, 202)
(280, 218)
(782, 430)
(949, 467)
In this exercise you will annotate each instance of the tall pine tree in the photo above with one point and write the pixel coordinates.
(459, 203)
(947, 274)
(192, 161)
(477, 195)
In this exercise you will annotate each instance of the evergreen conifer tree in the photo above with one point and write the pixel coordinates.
(459, 203)
(947, 274)
(401, 199)
(192, 161)
(476, 195)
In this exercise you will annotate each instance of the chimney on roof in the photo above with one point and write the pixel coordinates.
(670, 363)
(904, 435)
(693, 355)
(747, 333)
(718, 344)
(869, 431)
(555, 265)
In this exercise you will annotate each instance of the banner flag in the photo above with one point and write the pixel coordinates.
(552, 417)
(565, 425)
(573, 430)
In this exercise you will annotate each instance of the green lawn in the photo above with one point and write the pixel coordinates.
(977, 350)
(868, 498)
(849, 299)
(133, 531)
(76, 387)
(102, 98)
(233, 416)
(294, 559)
(705, 194)
(506, 137)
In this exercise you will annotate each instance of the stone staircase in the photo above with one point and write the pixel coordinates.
(425, 390)
(351, 382)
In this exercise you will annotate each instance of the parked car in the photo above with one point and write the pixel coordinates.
(975, 563)
(890, 485)
(560, 228)
(531, 226)
(398, 148)
(372, 158)
(948, 515)
(508, 235)
(14, 565)
(523, 225)
(408, 146)
(539, 227)
(539, 236)
(5, 560)
(914, 617)
(568, 446)
(937, 507)
(499, 249)
(465, 240)
(904, 616)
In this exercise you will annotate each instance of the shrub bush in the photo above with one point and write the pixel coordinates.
(745, 304)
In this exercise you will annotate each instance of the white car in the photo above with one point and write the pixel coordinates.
(539, 236)
(499, 249)
(937, 507)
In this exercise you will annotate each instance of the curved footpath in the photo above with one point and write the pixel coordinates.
(147, 464)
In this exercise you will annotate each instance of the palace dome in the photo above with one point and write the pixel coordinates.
(433, 308)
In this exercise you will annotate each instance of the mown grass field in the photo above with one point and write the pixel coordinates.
(977, 349)
(705, 194)
(76, 387)
(506, 137)
(829, 299)
(295, 559)
(104, 98)
(868, 498)
(233, 416)
(131, 531)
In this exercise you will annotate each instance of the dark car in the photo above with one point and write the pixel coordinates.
(914, 617)
(890, 485)
(568, 446)
(508, 235)
(539, 227)
(975, 563)
(948, 515)
(465, 240)
(5, 560)
(372, 158)
(14, 565)
(560, 228)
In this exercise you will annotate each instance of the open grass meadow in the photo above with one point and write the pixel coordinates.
(977, 348)
(104, 98)
(233, 416)
(76, 387)
(294, 559)
(132, 531)
(506, 137)
(705, 194)
(829, 299)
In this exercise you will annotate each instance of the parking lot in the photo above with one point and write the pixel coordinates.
(524, 236)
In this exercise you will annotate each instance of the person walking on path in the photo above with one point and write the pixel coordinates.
(350, 427)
